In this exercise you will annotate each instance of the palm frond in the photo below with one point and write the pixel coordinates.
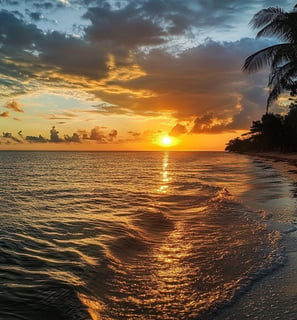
(292, 22)
(283, 27)
(283, 75)
(287, 52)
(278, 74)
(277, 29)
(273, 95)
(281, 80)
(262, 58)
(281, 58)
(265, 16)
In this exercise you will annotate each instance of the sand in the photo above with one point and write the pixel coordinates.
(275, 295)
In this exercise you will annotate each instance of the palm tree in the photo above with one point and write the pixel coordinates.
(282, 58)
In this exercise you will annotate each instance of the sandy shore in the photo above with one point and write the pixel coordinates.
(274, 297)
(285, 163)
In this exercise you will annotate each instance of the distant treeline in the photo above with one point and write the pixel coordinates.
(274, 132)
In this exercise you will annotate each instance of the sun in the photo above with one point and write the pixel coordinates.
(166, 141)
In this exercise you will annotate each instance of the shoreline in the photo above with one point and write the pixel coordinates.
(273, 297)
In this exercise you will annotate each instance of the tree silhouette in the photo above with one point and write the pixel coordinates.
(274, 132)
(282, 58)
(290, 128)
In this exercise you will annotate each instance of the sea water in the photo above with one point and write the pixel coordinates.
(133, 235)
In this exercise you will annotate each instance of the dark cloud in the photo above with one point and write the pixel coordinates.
(98, 135)
(73, 56)
(74, 138)
(178, 130)
(15, 34)
(43, 5)
(191, 85)
(46, 5)
(151, 22)
(28, 54)
(36, 139)
(204, 124)
(10, 2)
(36, 16)
(207, 78)
(112, 135)
(6, 135)
(252, 104)
(135, 30)
(10, 138)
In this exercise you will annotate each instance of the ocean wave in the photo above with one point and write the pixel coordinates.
(165, 239)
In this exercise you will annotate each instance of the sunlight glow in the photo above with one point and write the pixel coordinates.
(166, 141)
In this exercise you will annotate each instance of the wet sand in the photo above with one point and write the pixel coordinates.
(274, 297)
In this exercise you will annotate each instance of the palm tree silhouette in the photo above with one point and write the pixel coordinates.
(282, 58)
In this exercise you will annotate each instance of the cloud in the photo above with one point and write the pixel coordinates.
(112, 135)
(10, 2)
(73, 56)
(208, 123)
(98, 135)
(14, 105)
(74, 138)
(201, 80)
(10, 138)
(54, 135)
(134, 134)
(30, 56)
(47, 57)
(154, 66)
(136, 30)
(36, 139)
(178, 130)
(36, 16)
(4, 114)
(16, 34)
(154, 22)
(66, 115)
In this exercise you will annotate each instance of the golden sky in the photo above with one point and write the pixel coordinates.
(122, 75)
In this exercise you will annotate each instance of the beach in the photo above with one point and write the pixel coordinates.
(274, 296)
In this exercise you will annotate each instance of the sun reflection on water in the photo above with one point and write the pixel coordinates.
(94, 307)
(172, 279)
(165, 179)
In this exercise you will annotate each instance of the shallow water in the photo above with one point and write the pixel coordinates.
(133, 235)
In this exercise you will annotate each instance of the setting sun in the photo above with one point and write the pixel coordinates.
(166, 141)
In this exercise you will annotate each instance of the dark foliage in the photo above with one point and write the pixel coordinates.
(282, 57)
(273, 132)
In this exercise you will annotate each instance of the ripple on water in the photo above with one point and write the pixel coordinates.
(125, 236)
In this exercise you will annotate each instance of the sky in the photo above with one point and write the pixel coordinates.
(124, 74)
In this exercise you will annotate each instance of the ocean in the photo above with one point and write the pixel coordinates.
(134, 235)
